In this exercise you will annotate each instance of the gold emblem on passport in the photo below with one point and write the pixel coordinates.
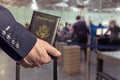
(42, 32)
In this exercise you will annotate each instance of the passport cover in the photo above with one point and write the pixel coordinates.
(44, 26)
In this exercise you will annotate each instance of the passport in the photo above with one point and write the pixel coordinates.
(44, 26)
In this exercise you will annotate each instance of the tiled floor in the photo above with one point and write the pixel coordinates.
(7, 70)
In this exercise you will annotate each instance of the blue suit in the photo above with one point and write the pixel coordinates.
(15, 40)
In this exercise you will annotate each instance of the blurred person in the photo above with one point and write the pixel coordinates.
(100, 24)
(93, 31)
(82, 33)
(64, 35)
(114, 32)
(60, 27)
(59, 33)
(21, 45)
(27, 25)
(66, 27)
(70, 28)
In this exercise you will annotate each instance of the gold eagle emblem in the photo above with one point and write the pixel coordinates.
(42, 32)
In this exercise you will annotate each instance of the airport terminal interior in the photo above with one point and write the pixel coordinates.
(90, 54)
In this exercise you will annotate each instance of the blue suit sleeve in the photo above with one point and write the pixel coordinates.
(15, 40)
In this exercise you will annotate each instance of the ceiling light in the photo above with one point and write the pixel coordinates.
(95, 10)
(65, 0)
(34, 5)
(117, 9)
(86, 2)
(74, 9)
(61, 4)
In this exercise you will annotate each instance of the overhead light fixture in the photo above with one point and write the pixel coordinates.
(34, 5)
(86, 2)
(65, 0)
(95, 10)
(117, 9)
(74, 9)
(61, 4)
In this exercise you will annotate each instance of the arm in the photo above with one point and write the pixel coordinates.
(20, 44)
(19, 41)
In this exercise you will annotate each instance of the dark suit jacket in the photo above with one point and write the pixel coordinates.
(15, 40)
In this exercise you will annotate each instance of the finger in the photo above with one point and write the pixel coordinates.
(34, 59)
(52, 51)
(44, 58)
(26, 64)
(39, 65)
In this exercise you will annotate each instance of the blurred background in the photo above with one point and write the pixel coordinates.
(96, 10)
(96, 13)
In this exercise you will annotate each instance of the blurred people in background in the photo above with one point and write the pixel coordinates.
(64, 33)
(70, 28)
(58, 33)
(27, 25)
(93, 31)
(114, 32)
(66, 27)
(81, 31)
(60, 27)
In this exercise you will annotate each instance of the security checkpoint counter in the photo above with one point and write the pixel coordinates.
(109, 56)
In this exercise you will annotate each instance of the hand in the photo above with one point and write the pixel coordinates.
(39, 55)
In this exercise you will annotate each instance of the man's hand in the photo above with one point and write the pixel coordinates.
(39, 55)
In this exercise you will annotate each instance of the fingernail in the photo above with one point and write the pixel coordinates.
(59, 53)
